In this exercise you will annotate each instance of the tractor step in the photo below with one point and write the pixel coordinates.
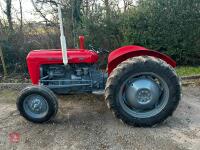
(98, 92)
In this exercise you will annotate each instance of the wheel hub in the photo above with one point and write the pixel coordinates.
(142, 93)
(36, 106)
(143, 96)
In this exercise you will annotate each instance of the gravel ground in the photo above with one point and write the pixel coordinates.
(84, 122)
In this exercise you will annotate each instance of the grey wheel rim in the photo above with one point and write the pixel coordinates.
(143, 95)
(35, 106)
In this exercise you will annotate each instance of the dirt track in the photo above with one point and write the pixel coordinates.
(84, 122)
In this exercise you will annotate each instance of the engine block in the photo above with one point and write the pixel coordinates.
(72, 78)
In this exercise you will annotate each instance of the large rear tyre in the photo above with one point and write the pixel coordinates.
(37, 104)
(143, 91)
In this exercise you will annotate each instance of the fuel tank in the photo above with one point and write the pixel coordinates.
(54, 56)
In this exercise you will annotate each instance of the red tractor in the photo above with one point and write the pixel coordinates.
(141, 86)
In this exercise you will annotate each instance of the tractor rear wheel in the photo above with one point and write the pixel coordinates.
(143, 91)
(37, 104)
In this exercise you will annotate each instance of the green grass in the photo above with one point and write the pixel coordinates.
(188, 71)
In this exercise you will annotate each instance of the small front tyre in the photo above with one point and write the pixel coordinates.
(37, 104)
(143, 91)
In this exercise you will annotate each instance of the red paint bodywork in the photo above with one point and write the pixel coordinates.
(123, 53)
(54, 56)
(75, 56)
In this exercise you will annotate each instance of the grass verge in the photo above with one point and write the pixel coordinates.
(188, 71)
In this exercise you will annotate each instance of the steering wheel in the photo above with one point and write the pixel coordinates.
(99, 50)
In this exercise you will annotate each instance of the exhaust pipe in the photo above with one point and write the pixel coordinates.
(62, 36)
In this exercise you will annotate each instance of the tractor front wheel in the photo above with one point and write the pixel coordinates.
(37, 104)
(143, 91)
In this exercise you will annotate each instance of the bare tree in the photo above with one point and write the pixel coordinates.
(127, 4)
(8, 13)
(106, 2)
(87, 7)
(21, 15)
(1, 52)
(37, 9)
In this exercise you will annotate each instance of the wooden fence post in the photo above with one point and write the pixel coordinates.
(3, 63)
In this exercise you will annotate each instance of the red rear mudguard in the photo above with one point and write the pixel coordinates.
(123, 53)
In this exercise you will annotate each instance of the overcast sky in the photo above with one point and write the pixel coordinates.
(28, 10)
